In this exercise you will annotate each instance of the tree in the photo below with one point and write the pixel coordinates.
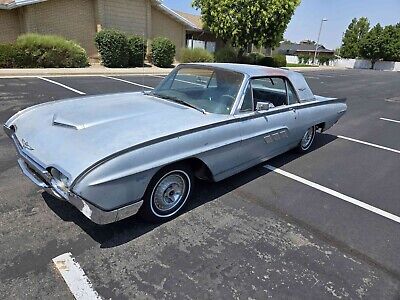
(353, 36)
(371, 46)
(245, 22)
(391, 43)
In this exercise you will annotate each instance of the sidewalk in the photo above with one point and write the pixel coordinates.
(98, 69)
(93, 70)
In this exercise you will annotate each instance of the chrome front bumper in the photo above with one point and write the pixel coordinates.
(43, 179)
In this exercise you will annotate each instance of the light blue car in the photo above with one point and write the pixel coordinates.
(112, 156)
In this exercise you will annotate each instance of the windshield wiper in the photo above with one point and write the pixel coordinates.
(180, 101)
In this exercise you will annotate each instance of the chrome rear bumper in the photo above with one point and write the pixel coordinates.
(43, 179)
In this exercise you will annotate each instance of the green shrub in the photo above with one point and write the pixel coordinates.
(48, 51)
(9, 55)
(324, 60)
(276, 61)
(195, 55)
(305, 58)
(137, 50)
(252, 58)
(226, 55)
(113, 47)
(162, 52)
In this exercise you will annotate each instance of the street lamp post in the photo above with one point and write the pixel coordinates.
(319, 35)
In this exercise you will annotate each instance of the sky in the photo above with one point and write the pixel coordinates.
(307, 18)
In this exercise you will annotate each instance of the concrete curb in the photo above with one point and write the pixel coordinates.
(98, 70)
(90, 71)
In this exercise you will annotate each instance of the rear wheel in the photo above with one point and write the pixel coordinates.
(307, 140)
(167, 193)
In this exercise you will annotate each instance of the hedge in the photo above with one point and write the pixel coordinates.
(195, 55)
(226, 55)
(252, 58)
(137, 50)
(276, 61)
(42, 51)
(162, 52)
(113, 48)
(9, 56)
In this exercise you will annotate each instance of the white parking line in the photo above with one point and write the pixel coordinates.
(78, 283)
(129, 82)
(336, 194)
(390, 120)
(62, 85)
(369, 144)
(156, 76)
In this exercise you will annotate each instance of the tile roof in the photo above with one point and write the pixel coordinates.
(291, 48)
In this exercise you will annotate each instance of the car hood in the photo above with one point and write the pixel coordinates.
(72, 135)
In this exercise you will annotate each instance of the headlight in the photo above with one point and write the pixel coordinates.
(60, 179)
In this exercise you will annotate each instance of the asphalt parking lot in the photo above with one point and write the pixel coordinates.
(260, 234)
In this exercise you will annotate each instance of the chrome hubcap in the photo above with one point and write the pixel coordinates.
(169, 192)
(307, 138)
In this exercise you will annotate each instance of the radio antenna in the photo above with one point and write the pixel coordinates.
(144, 56)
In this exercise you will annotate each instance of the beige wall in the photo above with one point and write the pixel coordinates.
(126, 15)
(165, 25)
(9, 26)
(73, 19)
(80, 19)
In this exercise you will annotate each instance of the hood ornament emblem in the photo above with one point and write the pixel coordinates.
(26, 145)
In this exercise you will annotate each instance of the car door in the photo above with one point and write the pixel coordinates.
(267, 133)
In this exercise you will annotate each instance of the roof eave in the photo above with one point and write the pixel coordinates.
(176, 15)
(20, 3)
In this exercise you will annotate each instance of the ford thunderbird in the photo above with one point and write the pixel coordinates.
(113, 156)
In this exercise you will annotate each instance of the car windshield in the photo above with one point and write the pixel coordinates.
(204, 88)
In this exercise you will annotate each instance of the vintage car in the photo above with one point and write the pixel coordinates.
(112, 156)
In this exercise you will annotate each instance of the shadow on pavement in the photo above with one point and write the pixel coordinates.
(123, 231)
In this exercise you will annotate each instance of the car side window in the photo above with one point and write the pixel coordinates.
(292, 97)
(247, 104)
(271, 90)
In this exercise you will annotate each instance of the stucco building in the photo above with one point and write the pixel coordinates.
(79, 20)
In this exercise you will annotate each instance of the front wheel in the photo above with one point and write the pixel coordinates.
(307, 140)
(167, 193)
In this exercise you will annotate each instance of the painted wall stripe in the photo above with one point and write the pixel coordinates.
(389, 120)
(62, 85)
(336, 194)
(369, 144)
(129, 82)
(78, 283)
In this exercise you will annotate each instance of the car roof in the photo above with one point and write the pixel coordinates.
(250, 70)
(297, 79)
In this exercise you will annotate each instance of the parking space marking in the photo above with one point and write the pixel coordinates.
(369, 144)
(390, 120)
(76, 279)
(156, 76)
(129, 82)
(62, 85)
(336, 194)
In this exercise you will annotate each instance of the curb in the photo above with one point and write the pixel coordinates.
(4, 73)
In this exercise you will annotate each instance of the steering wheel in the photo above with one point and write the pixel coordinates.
(227, 101)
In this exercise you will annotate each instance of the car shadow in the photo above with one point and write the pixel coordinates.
(123, 231)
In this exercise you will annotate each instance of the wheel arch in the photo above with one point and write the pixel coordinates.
(200, 169)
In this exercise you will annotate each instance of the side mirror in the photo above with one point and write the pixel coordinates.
(262, 106)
